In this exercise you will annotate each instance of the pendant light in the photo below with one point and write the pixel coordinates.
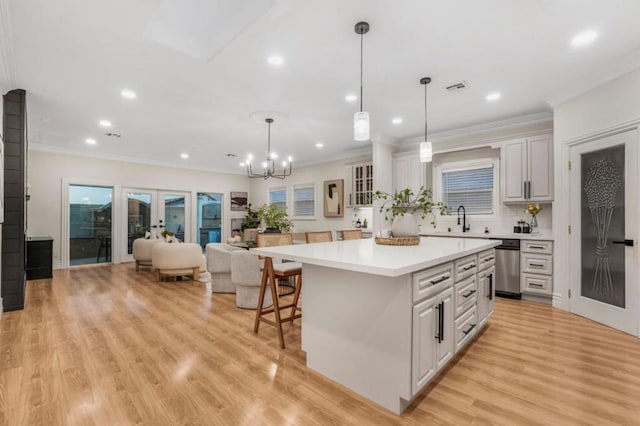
(269, 166)
(426, 149)
(361, 118)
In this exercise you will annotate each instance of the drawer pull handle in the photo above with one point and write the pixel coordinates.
(537, 247)
(466, 268)
(537, 265)
(468, 294)
(536, 285)
(488, 259)
(467, 331)
(439, 280)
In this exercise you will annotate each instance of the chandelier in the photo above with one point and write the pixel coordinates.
(269, 166)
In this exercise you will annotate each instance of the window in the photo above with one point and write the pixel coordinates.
(278, 196)
(472, 188)
(304, 200)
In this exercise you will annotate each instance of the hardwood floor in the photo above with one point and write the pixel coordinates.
(107, 345)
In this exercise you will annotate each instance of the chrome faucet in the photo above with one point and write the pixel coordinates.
(465, 227)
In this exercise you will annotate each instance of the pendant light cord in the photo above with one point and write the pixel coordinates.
(361, 56)
(269, 142)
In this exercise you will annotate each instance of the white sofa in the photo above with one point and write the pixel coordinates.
(142, 251)
(177, 259)
(246, 275)
(219, 265)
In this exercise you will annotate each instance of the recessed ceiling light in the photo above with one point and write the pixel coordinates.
(105, 123)
(242, 165)
(584, 38)
(275, 60)
(319, 145)
(492, 97)
(397, 120)
(90, 141)
(128, 94)
(184, 155)
(351, 98)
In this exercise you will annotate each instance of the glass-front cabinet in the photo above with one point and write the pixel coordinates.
(359, 185)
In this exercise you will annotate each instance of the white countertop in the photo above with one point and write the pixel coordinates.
(371, 258)
(459, 234)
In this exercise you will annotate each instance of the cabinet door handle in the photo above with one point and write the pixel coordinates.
(467, 331)
(439, 280)
(441, 322)
(524, 189)
(349, 199)
(536, 285)
(438, 336)
(537, 247)
(466, 268)
(490, 296)
(468, 294)
(488, 259)
(537, 265)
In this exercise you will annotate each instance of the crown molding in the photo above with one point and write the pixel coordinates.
(509, 123)
(592, 80)
(7, 68)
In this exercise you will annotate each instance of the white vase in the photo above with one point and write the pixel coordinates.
(404, 226)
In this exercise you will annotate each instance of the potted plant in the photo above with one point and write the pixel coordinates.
(401, 205)
(251, 220)
(275, 219)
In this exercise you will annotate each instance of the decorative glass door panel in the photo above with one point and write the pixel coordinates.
(174, 215)
(603, 219)
(603, 258)
(140, 215)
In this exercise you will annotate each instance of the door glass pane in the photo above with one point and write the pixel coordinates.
(174, 214)
(603, 263)
(209, 218)
(90, 217)
(138, 217)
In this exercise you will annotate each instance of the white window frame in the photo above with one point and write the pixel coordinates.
(293, 201)
(459, 166)
(286, 195)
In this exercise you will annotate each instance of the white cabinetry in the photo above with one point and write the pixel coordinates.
(536, 266)
(527, 170)
(359, 185)
(408, 172)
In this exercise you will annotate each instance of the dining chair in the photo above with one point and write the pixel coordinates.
(318, 237)
(270, 273)
(352, 234)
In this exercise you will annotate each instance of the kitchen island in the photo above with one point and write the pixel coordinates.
(384, 320)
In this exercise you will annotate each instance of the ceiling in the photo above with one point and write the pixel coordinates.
(200, 70)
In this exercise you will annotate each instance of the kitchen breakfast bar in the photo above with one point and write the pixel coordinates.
(384, 320)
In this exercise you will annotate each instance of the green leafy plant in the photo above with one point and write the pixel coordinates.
(274, 217)
(251, 220)
(405, 201)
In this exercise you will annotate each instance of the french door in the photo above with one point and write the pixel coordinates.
(604, 238)
(154, 211)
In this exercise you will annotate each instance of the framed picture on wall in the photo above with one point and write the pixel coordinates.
(239, 201)
(333, 198)
(236, 226)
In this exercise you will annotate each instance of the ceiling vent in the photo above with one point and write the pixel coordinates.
(113, 135)
(457, 86)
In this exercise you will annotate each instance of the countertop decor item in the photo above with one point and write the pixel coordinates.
(398, 241)
(269, 166)
(533, 209)
(400, 207)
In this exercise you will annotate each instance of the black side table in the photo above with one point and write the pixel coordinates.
(39, 258)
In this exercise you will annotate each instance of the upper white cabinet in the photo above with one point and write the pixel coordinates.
(527, 170)
(359, 185)
(408, 172)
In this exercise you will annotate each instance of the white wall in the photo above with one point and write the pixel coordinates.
(315, 174)
(46, 172)
(610, 105)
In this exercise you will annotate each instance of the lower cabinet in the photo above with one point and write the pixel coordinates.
(433, 338)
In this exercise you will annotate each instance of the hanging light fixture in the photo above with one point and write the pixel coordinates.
(426, 149)
(361, 118)
(269, 166)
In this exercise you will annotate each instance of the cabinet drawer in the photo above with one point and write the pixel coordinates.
(466, 267)
(539, 284)
(432, 281)
(466, 328)
(537, 263)
(486, 259)
(466, 295)
(542, 247)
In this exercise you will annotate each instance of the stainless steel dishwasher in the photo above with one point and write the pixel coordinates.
(508, 269)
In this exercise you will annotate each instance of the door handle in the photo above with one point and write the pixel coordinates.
(438, 338)
(628, 243)
(441, 321)
(154, 226)
(524, 189)
(490, 296)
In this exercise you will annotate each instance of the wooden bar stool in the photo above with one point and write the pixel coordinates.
(272, 272)
(352, 234)
(318, 237)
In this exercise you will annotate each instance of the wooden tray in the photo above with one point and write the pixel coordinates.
(398, 241)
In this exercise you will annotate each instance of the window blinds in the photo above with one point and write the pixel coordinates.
(472, 188)
(304, 201)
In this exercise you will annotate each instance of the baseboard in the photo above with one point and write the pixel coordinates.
(1, 305)
(535, 298)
